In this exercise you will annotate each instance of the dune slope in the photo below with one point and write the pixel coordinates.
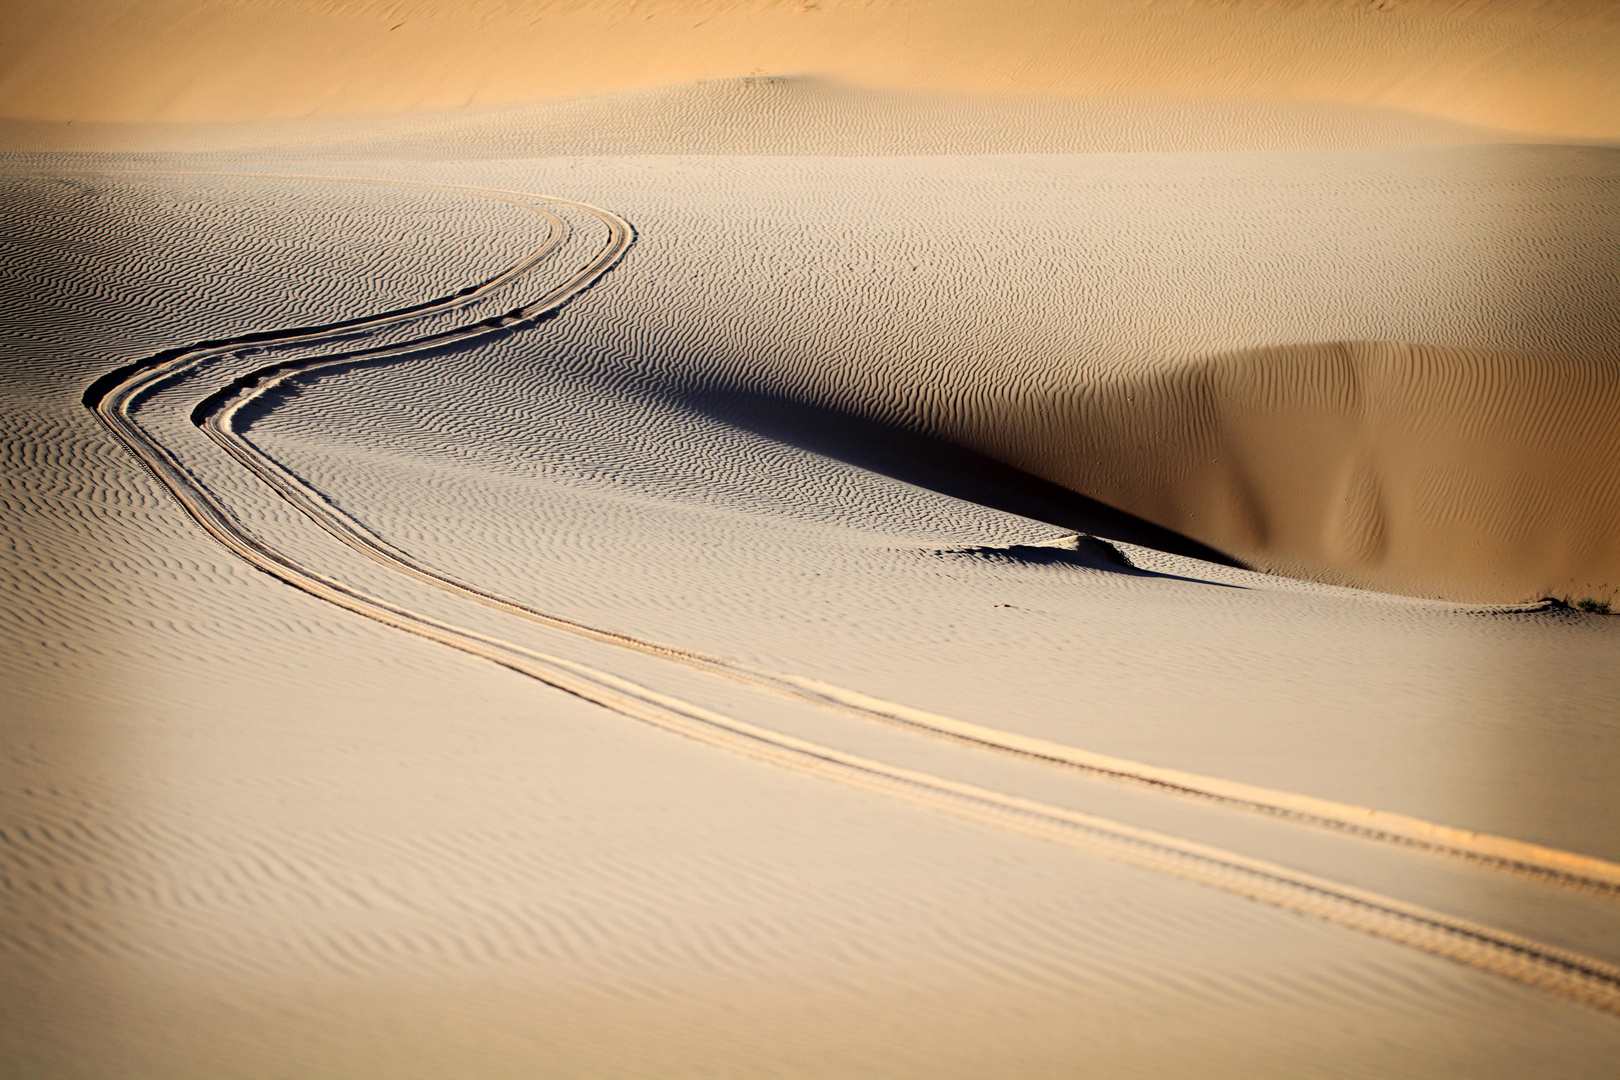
(595, 587)
(1470, 474)
(247, 831)
(1529, 65)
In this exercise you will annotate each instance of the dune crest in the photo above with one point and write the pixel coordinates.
(1462, 473)
(1544, 66)
(798, 116)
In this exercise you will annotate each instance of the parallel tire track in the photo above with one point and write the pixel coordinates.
(1533, 963)
(218, 416)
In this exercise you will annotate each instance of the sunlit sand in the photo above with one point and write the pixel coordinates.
(811, 540)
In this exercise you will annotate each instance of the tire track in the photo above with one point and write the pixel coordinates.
(218, 415)
(1533, 963)
(134, 380)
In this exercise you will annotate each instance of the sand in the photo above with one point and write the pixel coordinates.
(1543, 66)
(779, 577)
(1467, 473)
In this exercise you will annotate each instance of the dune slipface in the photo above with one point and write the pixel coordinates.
(1470, 474)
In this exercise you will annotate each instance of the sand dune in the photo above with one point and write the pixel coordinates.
(1469, 474)
(797, 116)
(421, 859)
(1112, 323)
(221, 414)
(838, 569)
(1529, 65)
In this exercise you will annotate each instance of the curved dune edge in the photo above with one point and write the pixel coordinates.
(1523, 65)
(1462, 474)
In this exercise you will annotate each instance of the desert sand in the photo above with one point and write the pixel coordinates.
(1541, 66)
(962, 544)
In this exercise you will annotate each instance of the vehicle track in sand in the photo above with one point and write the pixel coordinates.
(217, 416)
(114, 397)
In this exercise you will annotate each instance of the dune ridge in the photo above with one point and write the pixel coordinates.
(890, 625)
(249, 816)
(1582, 978)
(1528, 65)
(1466, 473)
(794, 116)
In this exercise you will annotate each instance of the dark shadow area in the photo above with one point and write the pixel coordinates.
(922, 460)
(1089, 552)
(933, 463)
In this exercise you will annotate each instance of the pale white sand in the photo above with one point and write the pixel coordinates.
(248, 832)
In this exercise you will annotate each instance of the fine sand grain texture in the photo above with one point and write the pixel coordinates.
(835, 575)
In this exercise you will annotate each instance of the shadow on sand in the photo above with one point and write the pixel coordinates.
(932, 463)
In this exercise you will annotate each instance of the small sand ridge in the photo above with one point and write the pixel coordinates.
(1530, 962)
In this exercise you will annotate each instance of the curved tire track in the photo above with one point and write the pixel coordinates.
(1532, 963)
(218, 416)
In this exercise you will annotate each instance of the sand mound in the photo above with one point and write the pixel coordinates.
(1466, 473)
(1526, 65)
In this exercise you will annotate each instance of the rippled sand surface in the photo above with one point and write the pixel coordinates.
(497, 597)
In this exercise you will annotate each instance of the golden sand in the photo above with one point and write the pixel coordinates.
(1544, 66)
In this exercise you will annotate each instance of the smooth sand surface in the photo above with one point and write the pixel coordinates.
(796, 116)
(1543, 66)
(775, 578)
(1455, 472)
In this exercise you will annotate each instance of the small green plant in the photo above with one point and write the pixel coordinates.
(1596, 607)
